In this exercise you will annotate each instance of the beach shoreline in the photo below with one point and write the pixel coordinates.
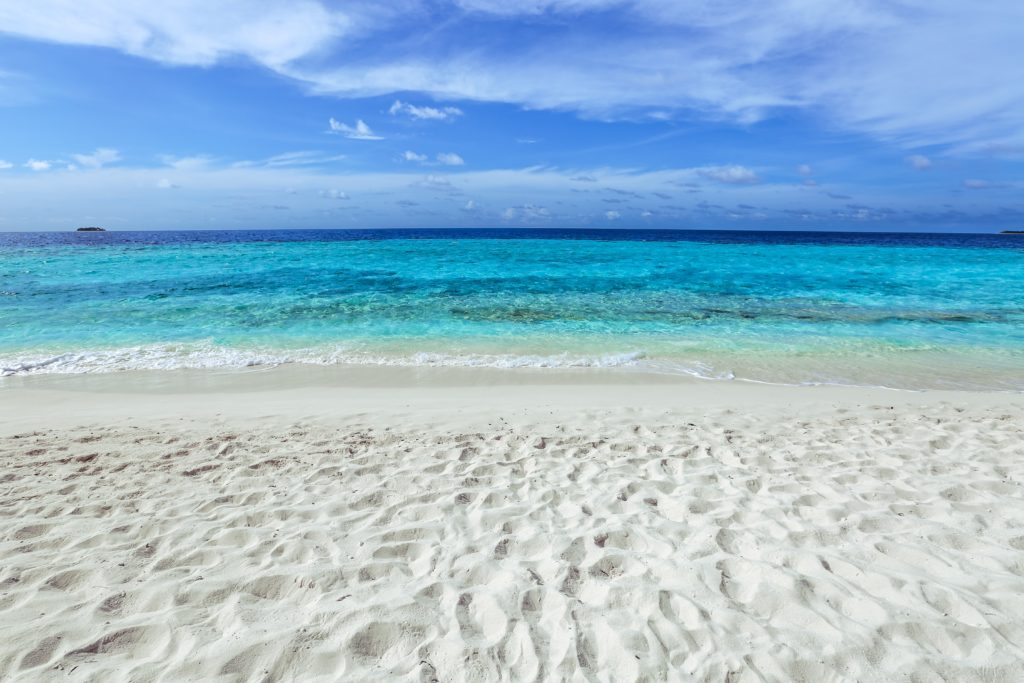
(338, 391)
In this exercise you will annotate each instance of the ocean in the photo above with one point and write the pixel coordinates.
(910, 311)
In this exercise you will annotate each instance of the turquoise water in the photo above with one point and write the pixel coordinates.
(906, 313)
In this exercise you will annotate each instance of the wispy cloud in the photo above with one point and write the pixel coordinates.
(911, 72)
(871, 67)
(190, 163)
(38, 165)
(733, 175)
(334, 194)
(979, 184)
(187, 32)
(302, 158)
(442, 159)
(527, 213)
(450, 159)
(4, 165)
(919, 162)
(101, 157)
(438, 184)
(360, 131)
(424, 113)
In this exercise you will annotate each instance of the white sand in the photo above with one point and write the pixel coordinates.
(290, 526)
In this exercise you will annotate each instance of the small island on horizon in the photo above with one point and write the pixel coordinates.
(91, 228)
(1012, 232)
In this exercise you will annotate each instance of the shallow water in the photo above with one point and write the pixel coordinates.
(911, 311)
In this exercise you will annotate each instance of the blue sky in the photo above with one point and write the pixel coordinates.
(781, 114)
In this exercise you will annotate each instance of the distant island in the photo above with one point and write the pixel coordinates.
(1012, 232)
(92, 228)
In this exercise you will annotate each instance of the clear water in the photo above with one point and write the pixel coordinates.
(910, 311)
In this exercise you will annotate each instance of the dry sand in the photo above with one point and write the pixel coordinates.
(300, 525)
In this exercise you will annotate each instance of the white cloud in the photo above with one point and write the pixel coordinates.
(188, 32)
(527, 213)
(913, 72)
(303, 158)
(919, 161)
(360, 131)
(334, 194)
(37, 165)
(101, 157)
(534, 7)
(437, 183)
(450, 159)
(733, 175)
(4, 165)
(421, 113)
(804, 169)
(612, 215)
(976, 184)
(442, 159)
(166, 184)
(187, 163)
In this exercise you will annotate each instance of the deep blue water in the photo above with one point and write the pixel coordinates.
(155, 237)
(892, 309)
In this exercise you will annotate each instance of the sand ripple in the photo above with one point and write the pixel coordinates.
(877, 545)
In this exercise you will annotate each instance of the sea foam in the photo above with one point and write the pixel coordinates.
(208, 356)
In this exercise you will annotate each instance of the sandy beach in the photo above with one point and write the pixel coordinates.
(374, 524)
(472, 341)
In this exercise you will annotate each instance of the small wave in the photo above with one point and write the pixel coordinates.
(155, 357)
(210, 356)
(207, 355)
(514, 361)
